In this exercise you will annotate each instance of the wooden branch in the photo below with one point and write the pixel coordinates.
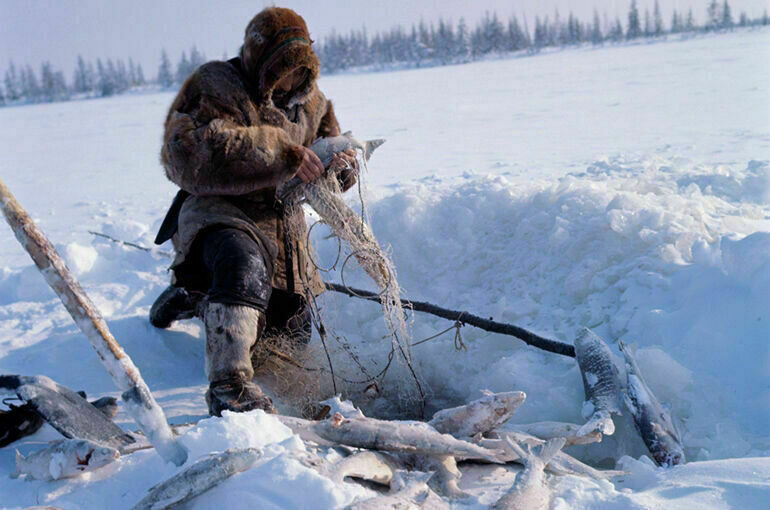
(502, 328)
(522, 334)
(136, 395)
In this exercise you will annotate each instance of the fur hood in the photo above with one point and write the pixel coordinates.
(276, 43)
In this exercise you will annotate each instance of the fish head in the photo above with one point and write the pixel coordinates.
(668, 450)
(668, 454)
(95, 456)
(506, 404)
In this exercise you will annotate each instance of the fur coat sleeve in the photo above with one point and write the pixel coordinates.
(214, 143)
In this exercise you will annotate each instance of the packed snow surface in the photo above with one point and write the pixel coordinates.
(625, 189)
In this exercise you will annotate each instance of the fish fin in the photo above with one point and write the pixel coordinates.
(402, 478)
(551, 448)
(629, 401)
(19, 460)
(371, 145)
(601, 421)
(516, 448)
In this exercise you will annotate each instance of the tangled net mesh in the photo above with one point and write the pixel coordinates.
(324, 196)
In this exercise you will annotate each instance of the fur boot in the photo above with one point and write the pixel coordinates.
(231, 333)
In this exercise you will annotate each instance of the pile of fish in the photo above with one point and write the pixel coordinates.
(416, 464)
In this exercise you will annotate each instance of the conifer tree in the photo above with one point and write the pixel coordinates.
(647, 23)
(197, 59)
(182, 68)
(81, 80)
(495, 33)
(658, 20)
(616, 32)
(121, 77)
(131, 72)
(12, 83)
(30, 85)
(165, 79)
(60, 86)
(106, 77)
(445, 41)
(689, 25)
(714, 16)
(541, 33)
(47, 85)
(676, 23)
(139, 75)
(462, 41)
(727, 16)
(596, 30)
(517, 39)
(90, 77)
(634, 24)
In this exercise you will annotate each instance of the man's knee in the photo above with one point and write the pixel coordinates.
(241, 273)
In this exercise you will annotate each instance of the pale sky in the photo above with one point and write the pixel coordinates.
(58, 30)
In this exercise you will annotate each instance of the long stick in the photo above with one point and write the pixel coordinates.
(522, 334)
(136, 395)
(468, 318)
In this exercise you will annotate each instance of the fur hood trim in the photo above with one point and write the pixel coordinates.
(276, 43)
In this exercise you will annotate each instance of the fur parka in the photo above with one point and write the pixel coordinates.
(230, 146)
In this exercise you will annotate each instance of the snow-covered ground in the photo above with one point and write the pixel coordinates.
(626, 189)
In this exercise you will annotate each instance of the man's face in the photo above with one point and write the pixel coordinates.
(290, 82)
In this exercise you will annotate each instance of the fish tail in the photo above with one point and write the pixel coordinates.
(19, 460)
(551, 448)
(517, 449)
(601, 421)
(545, 453)
(370, 146)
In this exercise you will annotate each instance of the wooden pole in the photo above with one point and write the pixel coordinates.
(139, 401)
(502, 328)
(522, 334)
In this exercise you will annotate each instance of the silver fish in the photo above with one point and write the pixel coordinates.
(480, 416)
(553, 429)
(325, 149)
(107, 405)
(398, 436)
(600, 380)
(408, 491)
(333, 210)
(653, 422)
(64, 459)
(372, 466)
(393, 436)
(201, 476)
(529, 491)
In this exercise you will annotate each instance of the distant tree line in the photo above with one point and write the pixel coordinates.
(422, 45)
(21, 85)
(447, 43)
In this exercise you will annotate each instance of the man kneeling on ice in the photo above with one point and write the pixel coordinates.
(236, 131)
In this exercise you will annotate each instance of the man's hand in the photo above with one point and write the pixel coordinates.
(346, 167)
(311, 167)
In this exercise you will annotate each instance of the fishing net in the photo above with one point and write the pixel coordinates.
(360, 247)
